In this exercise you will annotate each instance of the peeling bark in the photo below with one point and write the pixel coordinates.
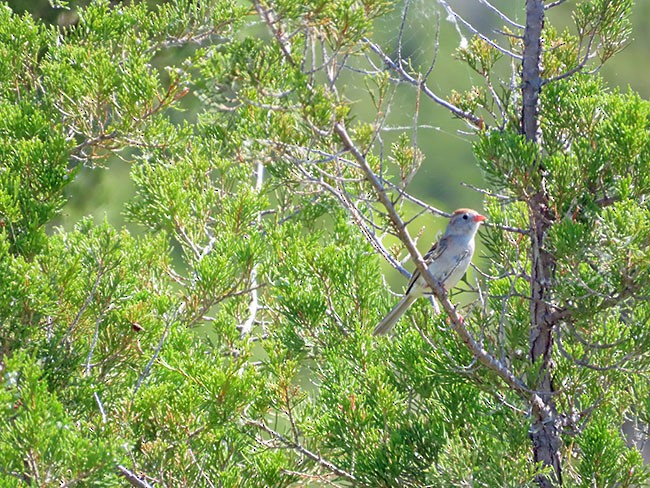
(545, 428)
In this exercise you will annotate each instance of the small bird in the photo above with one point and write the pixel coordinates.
(447, 260)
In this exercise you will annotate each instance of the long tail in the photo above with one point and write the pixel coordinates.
(386, 325)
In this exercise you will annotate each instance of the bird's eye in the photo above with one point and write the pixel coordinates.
(465, 217)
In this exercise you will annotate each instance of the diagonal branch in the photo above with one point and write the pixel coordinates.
(483, 356)
(301, 449)
(473, 30)
(421, 84)
(170, 319)
(503, 16)
(132, 478)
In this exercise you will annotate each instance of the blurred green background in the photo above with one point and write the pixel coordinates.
(449, 160)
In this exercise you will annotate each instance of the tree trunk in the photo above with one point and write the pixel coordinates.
(531, 80)
(545, 428)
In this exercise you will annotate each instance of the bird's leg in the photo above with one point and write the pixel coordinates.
(461, 319)
(441, 285)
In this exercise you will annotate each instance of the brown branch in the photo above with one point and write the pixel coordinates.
(91, 141)
(483, 356)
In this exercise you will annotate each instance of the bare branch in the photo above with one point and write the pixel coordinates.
(618, 365)
(132, 478)
(93, 344)
(545, 425)
(170, 320)
(93, 141)
(489, 193)
(180, 231)
(508, 228)
(359, 219)
(253, 305)
(100, 406)
(421, 83)
(301, 449)
(503, 16)
(319, 480)
(472, 29)
(412, 199)
(453, 365)
(200, 467)
(477, 350)
(580, 65)
(400, 36)
(554, 4)
(87, 301)
(531, 69)
(594, 345)
(269, 17)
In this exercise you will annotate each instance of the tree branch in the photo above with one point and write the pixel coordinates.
(421, 84)
(475, 31)
(132, 478)
(253, 305)
(484, 357)
(301, 449)
(503, 16)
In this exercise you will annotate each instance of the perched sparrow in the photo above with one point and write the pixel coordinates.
(448, 260)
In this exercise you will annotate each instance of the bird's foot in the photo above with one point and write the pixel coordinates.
(461, 319)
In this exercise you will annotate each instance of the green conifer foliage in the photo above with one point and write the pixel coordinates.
(223, 339)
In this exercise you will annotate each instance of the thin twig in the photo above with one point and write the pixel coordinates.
(200, 468)
(171, 319)
(503, 16)
(580, 65)
(554, 4)
(356, 215)
(270, 19)
(93, 140)
(100, 406)
(585, 364)
(87, 301)
(470, 117)
(473, 29)
(301, 449)
(436, 48)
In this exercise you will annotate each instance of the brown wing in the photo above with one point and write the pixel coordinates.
(433, 253)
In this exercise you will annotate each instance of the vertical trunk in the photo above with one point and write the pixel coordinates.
(545, 428)
(531, 67)
(544, 432)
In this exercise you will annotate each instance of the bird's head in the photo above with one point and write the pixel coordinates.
(465, 221)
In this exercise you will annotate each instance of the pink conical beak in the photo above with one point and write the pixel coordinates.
(479, 218)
